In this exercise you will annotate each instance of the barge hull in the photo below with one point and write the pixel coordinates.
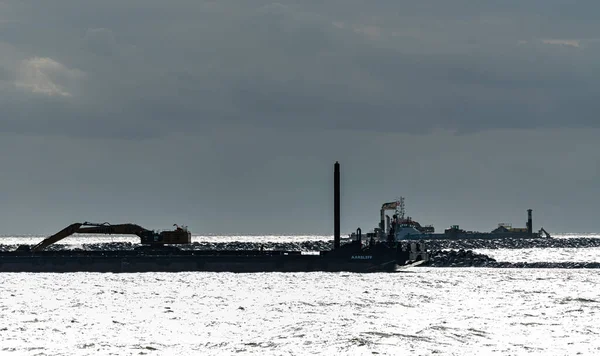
(239, 264)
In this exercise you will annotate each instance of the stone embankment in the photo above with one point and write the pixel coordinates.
(468, 258)
(444, 253)
(238, 245)
(432, 245)
(510, 243)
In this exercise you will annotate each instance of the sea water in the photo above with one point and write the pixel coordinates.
(419, 311)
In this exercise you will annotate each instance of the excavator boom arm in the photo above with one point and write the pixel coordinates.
(122, 229)
(89, 228)
(67, 231)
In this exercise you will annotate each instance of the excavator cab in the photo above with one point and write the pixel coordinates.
(179, 236)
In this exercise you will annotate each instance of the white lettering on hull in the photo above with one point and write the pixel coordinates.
(358, 257)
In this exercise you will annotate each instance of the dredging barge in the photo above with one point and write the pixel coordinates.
(401, 227)
(158, 252)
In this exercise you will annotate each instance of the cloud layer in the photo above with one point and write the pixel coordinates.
(46, 76)
(146, 68)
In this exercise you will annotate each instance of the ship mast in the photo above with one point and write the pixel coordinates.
(400, 211)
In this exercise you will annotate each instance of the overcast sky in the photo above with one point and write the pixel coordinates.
(228, 116)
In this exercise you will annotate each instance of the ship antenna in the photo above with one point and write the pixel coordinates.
(400, 211)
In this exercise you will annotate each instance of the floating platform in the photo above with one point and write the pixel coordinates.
(349, 257)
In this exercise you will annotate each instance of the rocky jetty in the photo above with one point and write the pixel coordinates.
(444, 253)
(468, 258)
(460, 258)
(237, 245)
(513, 243)
(432, 245)
(568, 265)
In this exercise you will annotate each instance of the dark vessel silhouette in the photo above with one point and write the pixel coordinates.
(401, 227)
(158, 252)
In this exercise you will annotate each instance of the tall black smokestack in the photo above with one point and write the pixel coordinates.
(336, 204)
(529, 222)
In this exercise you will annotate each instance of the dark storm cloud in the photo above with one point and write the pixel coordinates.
(146, 68)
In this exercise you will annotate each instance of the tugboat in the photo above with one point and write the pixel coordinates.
(402, 227)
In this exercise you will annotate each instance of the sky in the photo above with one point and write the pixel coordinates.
(227, 116)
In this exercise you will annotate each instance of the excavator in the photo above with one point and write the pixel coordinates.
(180, 235)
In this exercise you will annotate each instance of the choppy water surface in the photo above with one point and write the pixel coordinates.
(591, 254)
(422, 311)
